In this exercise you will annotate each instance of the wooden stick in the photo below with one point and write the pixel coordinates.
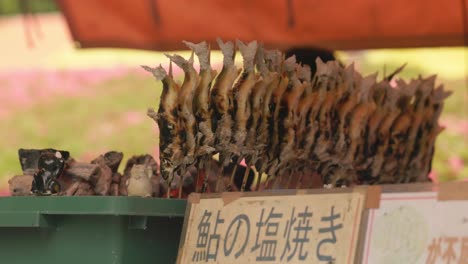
(257, 184)
(219, 179)
(200, 179)
(231, 180)
(169, 187)
(299, 181)
(289, 179)
(267, 180)
(244, 180)
(259, 180)
(207, 168)
(181, 185)
(259, 176)
(277, 181)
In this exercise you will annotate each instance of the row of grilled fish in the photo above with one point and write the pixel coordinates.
(272, 113)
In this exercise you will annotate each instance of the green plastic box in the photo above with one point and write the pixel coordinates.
(88, 230)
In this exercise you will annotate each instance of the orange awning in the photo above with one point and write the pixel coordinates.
(331, 24)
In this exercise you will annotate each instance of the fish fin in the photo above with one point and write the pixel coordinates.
(202, 51)
(227, 48)
(159, 73)
(248, 53)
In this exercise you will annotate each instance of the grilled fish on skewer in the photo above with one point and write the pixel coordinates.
(281, 112)
(335, 90)
(241, 95)
(257, 97)
(261, 93)
(416, 114)
(302, 162)
(376, 153)
(397, 135)
(344, 108)
(319, 92)
(327, 119)
(301, 106)
(185, 110)
(285, 124)
(221, 102)
(359, 118)
(367, 153)
(401, 129)
(350, 113)
(425, 127)
(168, 122)
(241, 106)
(347, 128)
(422, 157)
(383, 134)
(376, 118)
(263, 139)
(303, 119)
(274, 120)
(290, 104)
(201, 108)
(201, 101)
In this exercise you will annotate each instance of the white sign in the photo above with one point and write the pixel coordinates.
(305, 228)
(417, 228)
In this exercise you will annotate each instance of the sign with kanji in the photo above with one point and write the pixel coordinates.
(417, 227)
(299, 228)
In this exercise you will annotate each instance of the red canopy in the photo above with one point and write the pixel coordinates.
(332, 24)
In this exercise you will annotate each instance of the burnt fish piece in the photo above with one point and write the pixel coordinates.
(50, 166)
(29, 158)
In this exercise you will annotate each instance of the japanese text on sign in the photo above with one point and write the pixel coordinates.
(272, 229)
(448, 250)
(415, 227)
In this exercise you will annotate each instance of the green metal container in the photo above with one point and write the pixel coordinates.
(88, 230)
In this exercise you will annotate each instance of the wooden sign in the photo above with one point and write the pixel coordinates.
(419, 227)
(266, 228)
